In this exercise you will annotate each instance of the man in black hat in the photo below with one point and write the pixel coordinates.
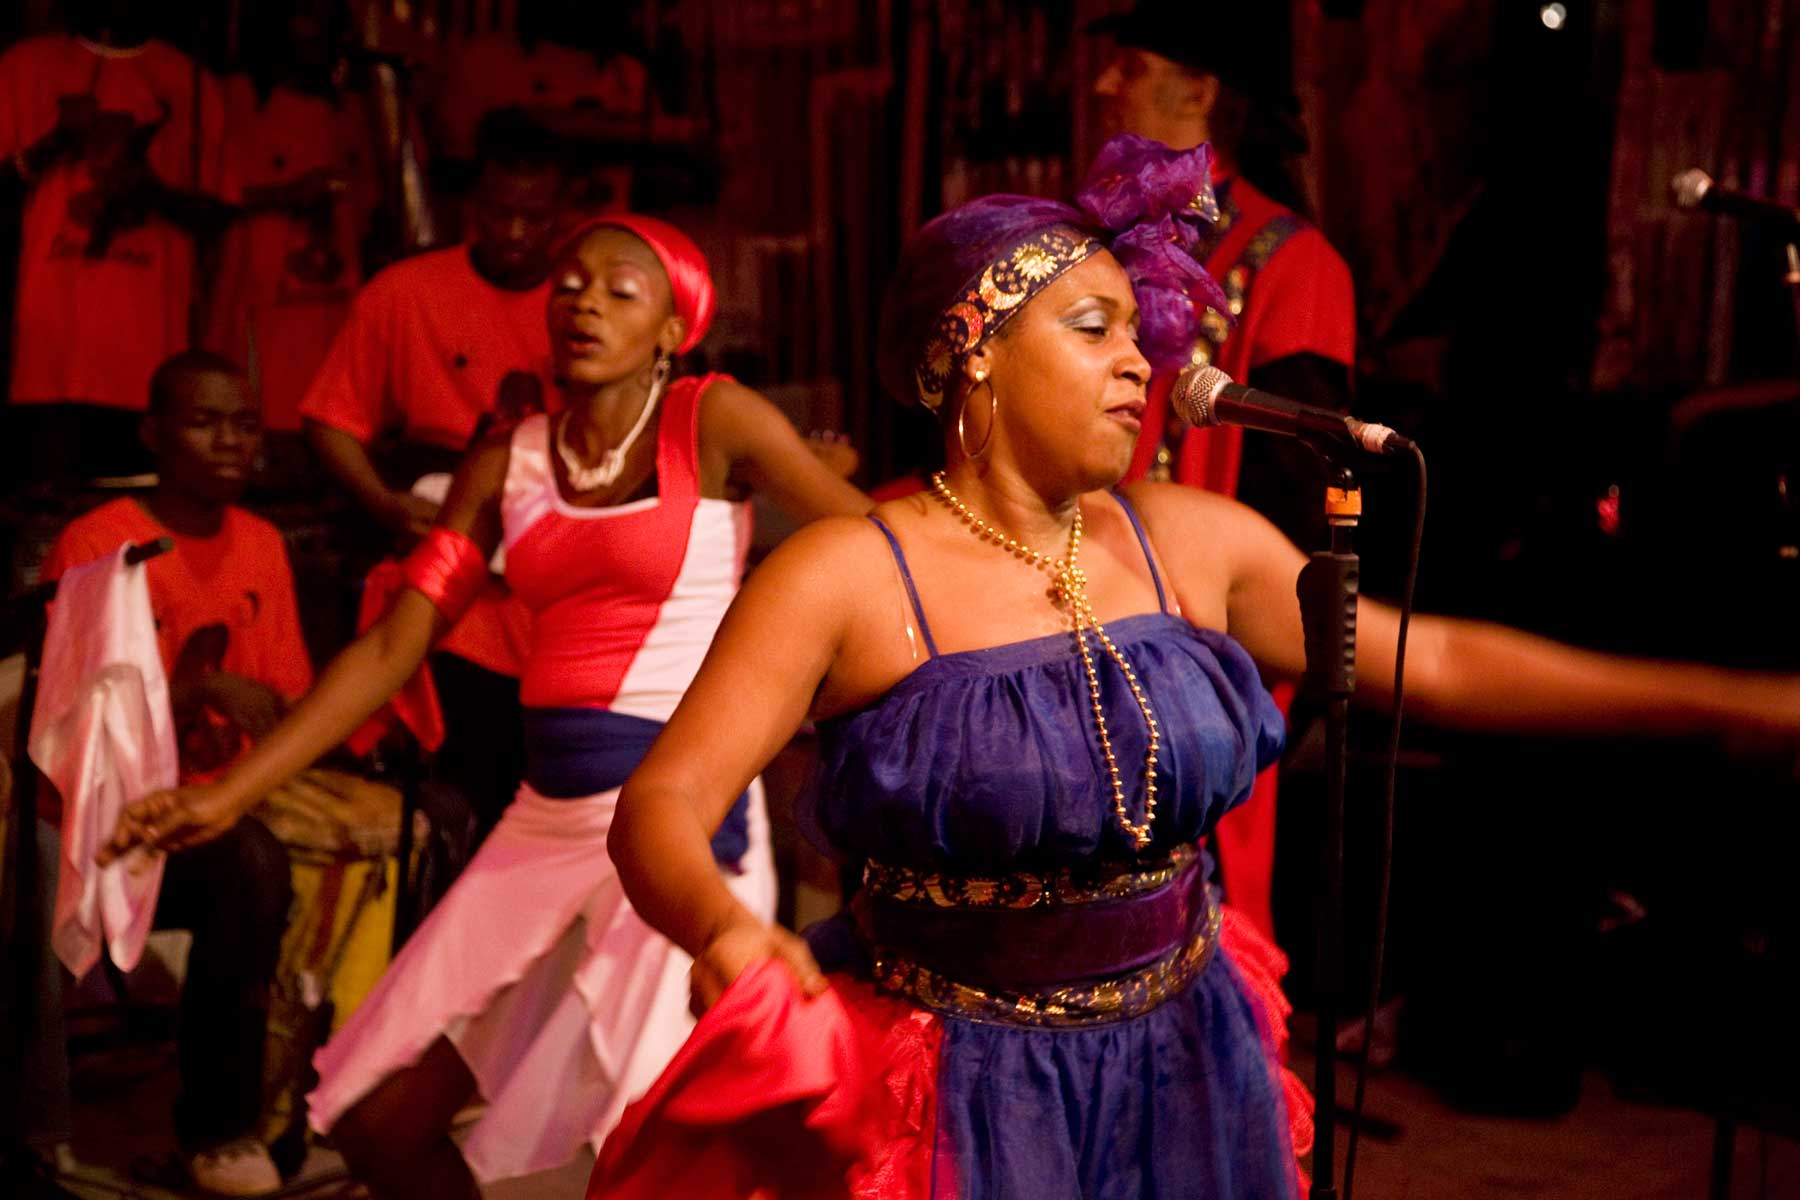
(1186, 73)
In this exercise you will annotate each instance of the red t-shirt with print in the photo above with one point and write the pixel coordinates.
(92, 329)
(221, 603)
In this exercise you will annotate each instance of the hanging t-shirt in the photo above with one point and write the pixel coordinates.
(285, 280)
(494, 71)
(92, 328)
(222, 603)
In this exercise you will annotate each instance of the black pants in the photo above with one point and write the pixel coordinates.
(233, 895)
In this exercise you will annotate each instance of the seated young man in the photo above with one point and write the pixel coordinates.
(229, 633)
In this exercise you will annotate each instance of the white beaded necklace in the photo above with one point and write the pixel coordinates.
(612, 461)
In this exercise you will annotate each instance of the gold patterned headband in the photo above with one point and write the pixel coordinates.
(992, 297)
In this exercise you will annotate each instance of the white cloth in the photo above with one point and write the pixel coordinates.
(562, 1002)
(102, 733)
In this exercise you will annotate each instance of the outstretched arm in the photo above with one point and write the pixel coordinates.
(358, 681)
(1484, 677)
(1472, 675)
(742, 434)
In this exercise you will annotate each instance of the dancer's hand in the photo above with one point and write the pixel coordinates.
(171, 820)
(835, 450)
(739, 946)
(407, 517)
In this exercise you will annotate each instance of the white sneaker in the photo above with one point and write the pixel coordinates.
(240, 1168)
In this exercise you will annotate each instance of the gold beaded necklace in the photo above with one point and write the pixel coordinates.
(1069, 589)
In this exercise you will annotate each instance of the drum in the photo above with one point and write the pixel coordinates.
(342, 834)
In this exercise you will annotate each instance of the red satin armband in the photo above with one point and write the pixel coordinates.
(449, 569)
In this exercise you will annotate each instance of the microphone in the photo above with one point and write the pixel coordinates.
(1207, 396)
(1694, 188)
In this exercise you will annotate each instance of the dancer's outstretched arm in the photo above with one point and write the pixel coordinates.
(358, 681)
(1472, 675)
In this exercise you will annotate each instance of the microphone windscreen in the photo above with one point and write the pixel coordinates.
(1194, 391)
(1690, 187)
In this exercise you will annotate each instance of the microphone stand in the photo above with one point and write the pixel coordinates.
(1327, 590)
(21, 899)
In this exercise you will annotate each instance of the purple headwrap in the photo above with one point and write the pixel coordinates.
(968, 271)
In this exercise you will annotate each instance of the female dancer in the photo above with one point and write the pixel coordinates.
(533, 984)
(1034, 693)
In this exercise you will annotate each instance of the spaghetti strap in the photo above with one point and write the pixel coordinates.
(1162, 600)
(906, 576)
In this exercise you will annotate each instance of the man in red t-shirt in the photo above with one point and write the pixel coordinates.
(229, 632)
(1218, 73)
(416, 367)
(100, 129)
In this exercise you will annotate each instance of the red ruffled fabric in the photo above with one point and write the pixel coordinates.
(775, 1095)
(451, 572)
(835, 1098)
(1261, 965)
(415, 705)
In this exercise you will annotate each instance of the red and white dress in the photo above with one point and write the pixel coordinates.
(564, 1004)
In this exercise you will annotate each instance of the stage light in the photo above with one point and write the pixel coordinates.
(1554, 16)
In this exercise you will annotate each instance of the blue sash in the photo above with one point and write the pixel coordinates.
(571, 753)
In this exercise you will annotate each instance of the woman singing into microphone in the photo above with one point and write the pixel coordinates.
(1035, 694)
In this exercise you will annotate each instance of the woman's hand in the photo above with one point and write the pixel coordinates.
(741, 945)
(172, 820)
(834, 450)
(407, 517)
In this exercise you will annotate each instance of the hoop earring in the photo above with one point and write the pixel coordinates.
(665, 366)
(993, 418)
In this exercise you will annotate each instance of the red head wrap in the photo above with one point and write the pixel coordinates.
(690, 280)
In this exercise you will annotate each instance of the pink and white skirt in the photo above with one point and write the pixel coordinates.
(563, 1003)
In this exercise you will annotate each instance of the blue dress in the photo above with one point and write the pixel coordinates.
(985, 764)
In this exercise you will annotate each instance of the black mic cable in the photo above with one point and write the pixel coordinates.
(1205, 395)
(1385, 866)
